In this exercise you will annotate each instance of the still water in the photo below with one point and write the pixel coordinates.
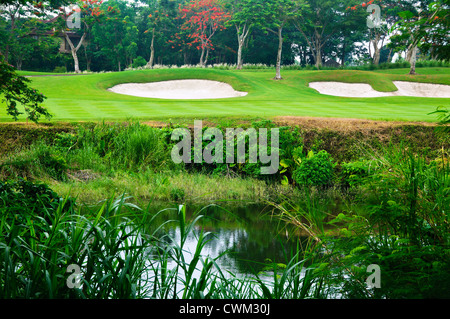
(245, 237)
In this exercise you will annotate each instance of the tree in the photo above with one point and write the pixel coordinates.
(117, 34)
(277, 14)
(437, 41)
(86, 14)
(317, 23)
(159, 19)
(428, 20)
(202, 19)
(15, 91)
(245, 15)
(383, 15)
(351, 33)
(12, 10)
(376, 25)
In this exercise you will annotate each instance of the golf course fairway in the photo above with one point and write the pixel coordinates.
(86, 97)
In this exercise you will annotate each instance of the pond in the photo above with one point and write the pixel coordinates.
(245, 237)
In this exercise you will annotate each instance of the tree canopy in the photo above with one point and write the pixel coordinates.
(117, 34)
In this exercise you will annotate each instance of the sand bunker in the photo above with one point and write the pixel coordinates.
(365, 90)
(179, 89)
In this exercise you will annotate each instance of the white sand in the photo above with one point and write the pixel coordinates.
(365, 90)
(179, 89)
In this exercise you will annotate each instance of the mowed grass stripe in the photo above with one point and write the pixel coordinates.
(85, 97)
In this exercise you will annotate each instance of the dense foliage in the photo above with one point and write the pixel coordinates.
(113, 34)
(389, 208)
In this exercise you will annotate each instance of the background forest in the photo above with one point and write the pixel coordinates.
(95, 35)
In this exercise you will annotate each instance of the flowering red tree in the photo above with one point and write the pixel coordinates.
(202, 19)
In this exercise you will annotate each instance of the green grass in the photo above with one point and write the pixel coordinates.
(168, 187)
(84, 97)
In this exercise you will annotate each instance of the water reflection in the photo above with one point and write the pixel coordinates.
(245, 237)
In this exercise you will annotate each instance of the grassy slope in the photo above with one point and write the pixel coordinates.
(84, 97)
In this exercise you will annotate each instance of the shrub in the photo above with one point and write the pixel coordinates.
(36, 197)
(38, 161)
(353, 173)
(52, 163)
(60, 69)
(65, 139)
(316, 169)
(139, 62)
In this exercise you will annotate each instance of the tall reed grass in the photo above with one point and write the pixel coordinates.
(117, 251)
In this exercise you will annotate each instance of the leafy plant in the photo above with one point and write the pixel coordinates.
(53, 164)
(16, 91)
(353, 173)
(37, 246)
(138, 62)
(315, 169)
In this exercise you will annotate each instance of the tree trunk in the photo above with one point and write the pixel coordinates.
(76, 65)
(318, 58)
(318, 47)
(376, 53)
(409, 52)
(343, 54)
(280, 48)
(241, 41)
(206, 57)
(239, 56)
(74, 50)
(118, 64)
(12, 16)
(201, 57)
(376, 50)
(412, 61)
(152, 51)
(389, 59)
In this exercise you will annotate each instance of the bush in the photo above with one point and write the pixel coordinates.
(353, 173)
(36, 197)
(65, 139)
(52, 163)
(60, 69)
(315, 169)
(139, 62)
